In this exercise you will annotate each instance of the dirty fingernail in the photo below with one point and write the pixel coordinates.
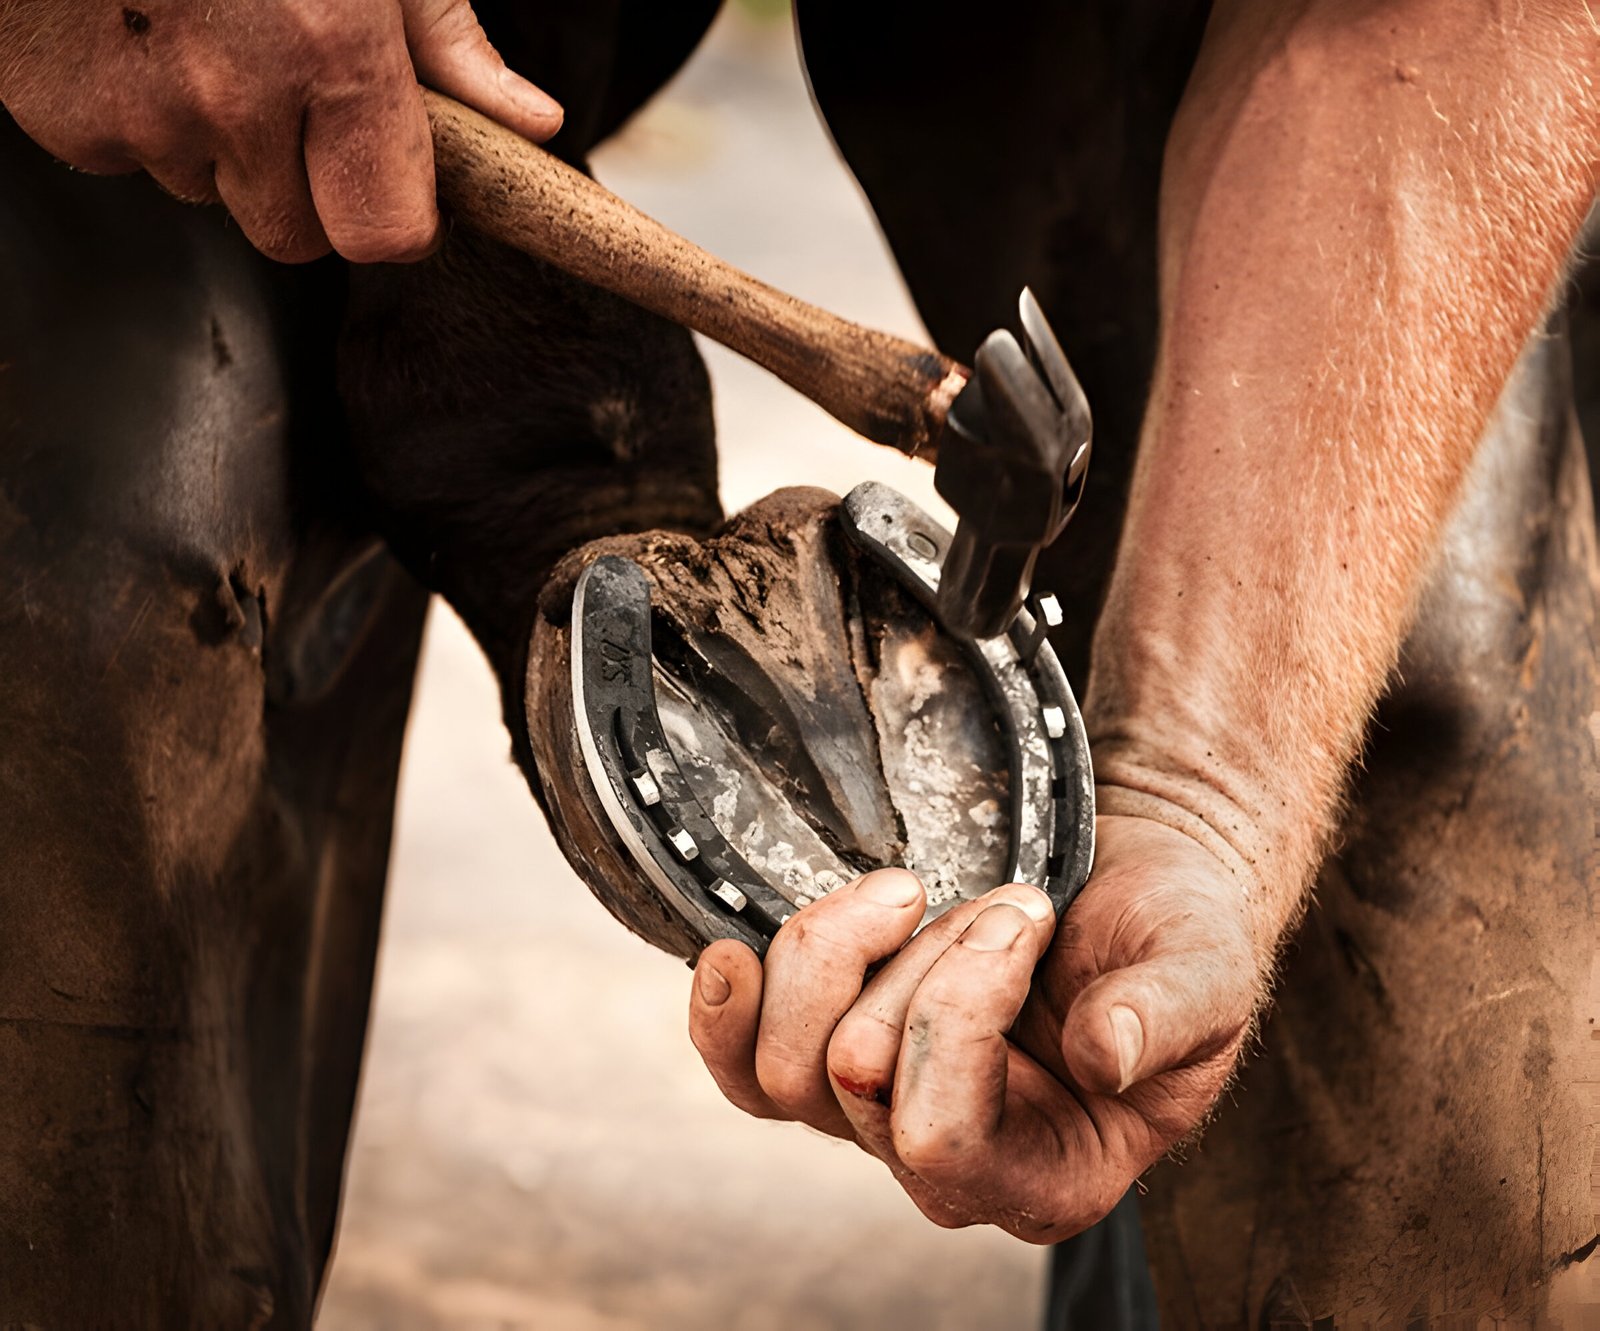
(891, 888)
(1127, 1031)
(714, 986)
(995, 930)
(1038, 906)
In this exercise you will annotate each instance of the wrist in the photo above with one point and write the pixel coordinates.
(1264, 833)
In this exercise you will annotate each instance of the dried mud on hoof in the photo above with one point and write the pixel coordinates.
(821, 717)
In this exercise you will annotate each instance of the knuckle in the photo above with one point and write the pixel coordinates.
(280, 232)
(289, 245)
(846, 1056)
(947, 994)
(813, 933)
(932, 1150)
(80, 146)
(234, 119)
(860, 1056)
(789, 1084)
(360, 67)
(216, 95)
(329, 34)
(186, 185)
(295, 251)
(788, 940)
(392, 242)
(849, 928)
(945, 1216)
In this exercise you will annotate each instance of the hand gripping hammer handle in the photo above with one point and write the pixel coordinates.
(888, 390)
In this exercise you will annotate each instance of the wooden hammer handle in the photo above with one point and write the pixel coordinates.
(889, 390)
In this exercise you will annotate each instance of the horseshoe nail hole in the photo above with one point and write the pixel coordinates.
(922, 545)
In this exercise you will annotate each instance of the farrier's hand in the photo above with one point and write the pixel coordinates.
(302, 116)
(994, 1093)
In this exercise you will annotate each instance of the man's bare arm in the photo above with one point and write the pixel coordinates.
(1366, 211)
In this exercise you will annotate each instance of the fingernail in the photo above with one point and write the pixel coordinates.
(1127, 1033)
(891, 888)
(995, 930)
(1038, 907)
(714, 986)
(533, 97)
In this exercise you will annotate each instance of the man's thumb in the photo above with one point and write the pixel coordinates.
(1167, 1012)
(451, 55)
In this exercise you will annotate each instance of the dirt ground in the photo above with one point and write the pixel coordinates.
(537, 1145)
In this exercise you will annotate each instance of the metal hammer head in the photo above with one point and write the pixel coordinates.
(1012, 464)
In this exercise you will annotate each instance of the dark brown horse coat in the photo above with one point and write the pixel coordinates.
(216, 527)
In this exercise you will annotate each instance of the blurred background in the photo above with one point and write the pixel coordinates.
(537, 1144)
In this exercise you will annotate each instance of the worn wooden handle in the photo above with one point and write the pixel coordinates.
(889, 390)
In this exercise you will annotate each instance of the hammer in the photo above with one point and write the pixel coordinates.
(1011, 441)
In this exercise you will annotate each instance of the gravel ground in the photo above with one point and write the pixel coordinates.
(537, 1145)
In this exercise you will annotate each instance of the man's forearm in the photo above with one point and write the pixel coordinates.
(1366, 210)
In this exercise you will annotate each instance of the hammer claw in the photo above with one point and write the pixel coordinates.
(1013, 467)
(1045, 353)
